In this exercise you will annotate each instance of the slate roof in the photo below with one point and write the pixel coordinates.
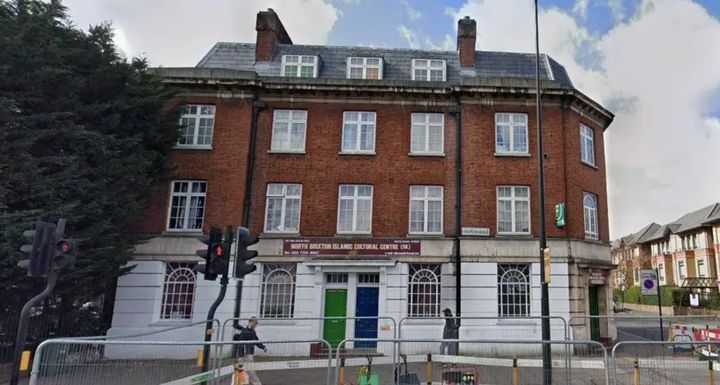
(397, 62)
(694, 219)
(687, 222)
(640, 236)
(714, 215)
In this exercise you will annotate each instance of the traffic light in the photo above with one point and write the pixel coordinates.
(244, 239)
(64, 249)
(214, 255)
(40, 249)
(48, 248)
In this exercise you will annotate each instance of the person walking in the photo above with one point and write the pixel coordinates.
(246, 351)
(451, 331)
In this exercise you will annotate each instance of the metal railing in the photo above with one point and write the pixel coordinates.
(478, 359)
(103, 362)
(665, 363)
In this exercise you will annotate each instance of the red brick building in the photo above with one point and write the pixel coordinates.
(355, 166)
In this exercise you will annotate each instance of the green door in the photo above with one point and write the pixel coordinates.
(335, 306)
(594, 312)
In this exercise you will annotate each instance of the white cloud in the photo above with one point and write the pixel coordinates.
(617, 9)
(448, 44)
(409, 35)
(662, 149)
(581, 8)
(412, 13)
(180, 32)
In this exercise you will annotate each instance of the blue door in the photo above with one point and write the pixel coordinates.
(366, 305)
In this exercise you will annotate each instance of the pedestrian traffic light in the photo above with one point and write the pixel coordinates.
(243, 255)
(64, 249)
(214, 252)
(48, 248)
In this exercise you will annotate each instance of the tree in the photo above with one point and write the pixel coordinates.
(84, 135)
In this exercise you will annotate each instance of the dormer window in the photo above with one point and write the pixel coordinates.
(428, 70)
(299, 66)
(364, 68)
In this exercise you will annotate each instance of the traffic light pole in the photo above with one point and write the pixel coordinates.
(211, 317)
(544, 292)
(24, 323)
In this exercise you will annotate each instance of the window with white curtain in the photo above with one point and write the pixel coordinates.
(511, 134)
(587, 145)
(513, 204)
(424, 291)
(289, 129)
(278, 291)
(178, 292)
(513, 290)
(358, 134)
(427, 132)
(196, 126)
(282, 208)
(187, 205)
(355, 209)
(590, 208)
(426, 209)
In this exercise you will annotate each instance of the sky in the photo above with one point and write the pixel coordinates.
(654, 63)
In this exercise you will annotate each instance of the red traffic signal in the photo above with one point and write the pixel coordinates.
(218, 250)
(63, 247)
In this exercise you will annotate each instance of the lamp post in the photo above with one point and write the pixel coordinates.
(544, 296)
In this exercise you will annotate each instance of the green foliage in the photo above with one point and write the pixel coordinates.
(84, 134)
(632, 295)
(667, 294)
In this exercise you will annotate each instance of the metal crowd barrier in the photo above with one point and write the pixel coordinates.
(113, 362)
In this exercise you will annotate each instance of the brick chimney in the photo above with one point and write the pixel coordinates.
(270, 31)
(466, 33)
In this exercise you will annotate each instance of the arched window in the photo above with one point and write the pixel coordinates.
(591, 218)
(278, 291)
(513, 291)
(424, 291)
(178, 292)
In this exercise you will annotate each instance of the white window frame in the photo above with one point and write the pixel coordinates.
(424, 280)
(283, 292)
(426, 125)
(187, 207)
(506, 290)
(590, 215)
(425, 201)
(294, 117)
(300, 64)
(196, 127)
(587, 145)
(365, 66)
(358, 133)
(285, 198)
(355, 198)
(661, 272)
(705, 267)
(428, 65)
(513, 199)
(178, 278)
(682, 270)
(511, 125)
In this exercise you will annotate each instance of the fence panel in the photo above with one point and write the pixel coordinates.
(480, 328)
(114, 362)
(640, 327)
(516, 362)
(678, 362)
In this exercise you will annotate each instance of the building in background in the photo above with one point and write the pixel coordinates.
(684, 251)
(362, 163)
